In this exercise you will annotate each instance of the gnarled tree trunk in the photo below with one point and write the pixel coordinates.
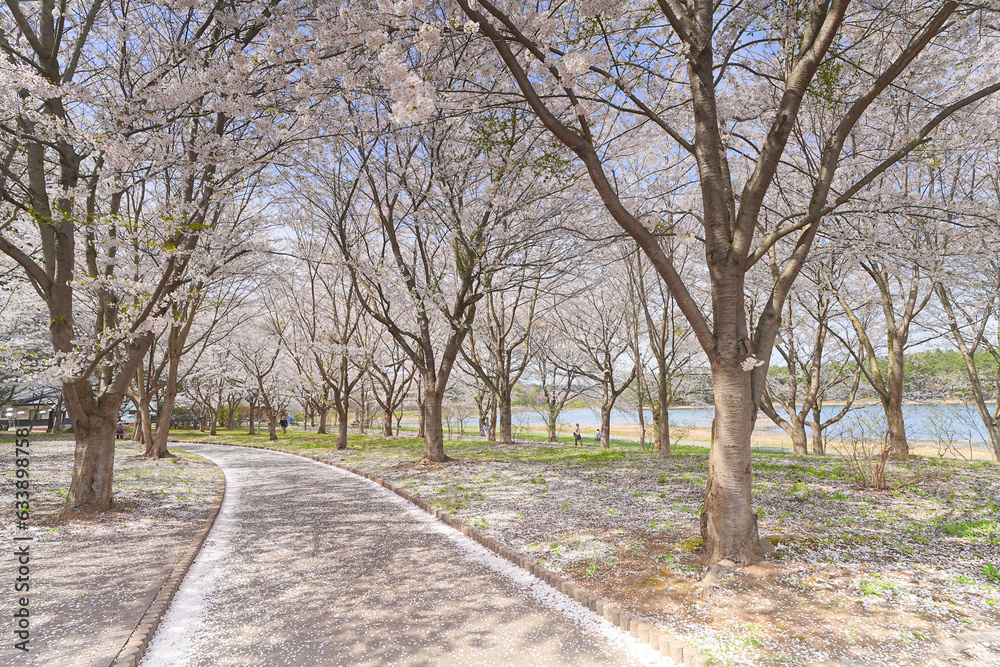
(93, 462)
(387, 423)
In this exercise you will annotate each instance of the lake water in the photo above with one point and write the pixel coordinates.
(923, 421)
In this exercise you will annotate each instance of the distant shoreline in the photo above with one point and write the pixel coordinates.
(707, 406)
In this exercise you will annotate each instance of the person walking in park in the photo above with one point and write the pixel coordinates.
(283, 424)
(577, 437)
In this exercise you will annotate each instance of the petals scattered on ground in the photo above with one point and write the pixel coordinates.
(93, 577)
(884, 578)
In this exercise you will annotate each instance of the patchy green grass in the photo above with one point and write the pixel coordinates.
(982, 528)
(474, 450)
(875, 585)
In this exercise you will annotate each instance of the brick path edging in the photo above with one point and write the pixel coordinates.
(664, 642)
(138, 641)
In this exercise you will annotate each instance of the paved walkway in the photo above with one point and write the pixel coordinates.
(311, 565)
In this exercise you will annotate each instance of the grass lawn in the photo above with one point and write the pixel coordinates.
(907, 576)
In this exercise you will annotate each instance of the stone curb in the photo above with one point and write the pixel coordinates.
(138, 641)
(645, 631)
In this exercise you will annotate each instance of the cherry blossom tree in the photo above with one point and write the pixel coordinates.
(666, 336)
(970, 318)
(391, 372)
(323, 337)
(723, 86)
(121, 125)
(267, 373)
(449, 207)
(208, 383)
(812, 375)
(969, 289)
(25, 352)
(204, 310)
(556, 365)
(498, 349)
(596, 322)
(902, 251)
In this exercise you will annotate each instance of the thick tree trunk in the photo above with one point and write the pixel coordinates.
(800, 444)
(323, 412)
(387, 423)
(272, 423)
(343, 422)
(214, 416)
(728, 523)
(93, 463)
(506, 430)
(606, 425)
(433, 427)
(898, 447)
(94, 425)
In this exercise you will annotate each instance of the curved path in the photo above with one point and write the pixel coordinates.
(310, 565)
